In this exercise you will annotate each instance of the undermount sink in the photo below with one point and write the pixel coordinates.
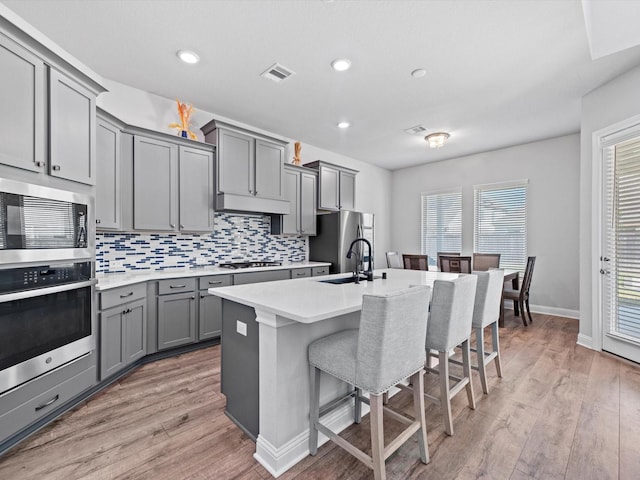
(338, 281)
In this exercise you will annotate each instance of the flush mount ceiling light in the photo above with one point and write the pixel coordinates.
(341, 64)
(187, 56)
(344, 125)
(436, 140)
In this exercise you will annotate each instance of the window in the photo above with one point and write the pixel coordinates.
(441, 224)
(500, 222)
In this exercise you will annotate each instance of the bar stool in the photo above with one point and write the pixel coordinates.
(388, 347)
(487, 312)
(450, 326)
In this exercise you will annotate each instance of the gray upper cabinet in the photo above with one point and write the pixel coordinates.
(108, 204)
(72, 134)
(336, 186)
(155, 184)
(268, 169)
(249, 170)
(300, 189)
(235, 172)
(196, 189)
(22, 119)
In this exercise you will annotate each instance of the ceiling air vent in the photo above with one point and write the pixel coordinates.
(277, 73)
(416, 130)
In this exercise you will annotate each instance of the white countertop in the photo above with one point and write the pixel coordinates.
(107, 281)
(309, 300)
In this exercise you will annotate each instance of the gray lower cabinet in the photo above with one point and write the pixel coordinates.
(319, 271)
(123, 336)
(123, 328)
(72, 130)
(210, 306)
(28, 403)
(300, 273)
(22, 119)
(176, 319)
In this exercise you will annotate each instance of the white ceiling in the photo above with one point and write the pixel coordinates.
(499, 73)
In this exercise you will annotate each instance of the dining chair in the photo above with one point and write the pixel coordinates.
(415, 262)
(393, 260)
(484, 261)
(446, 254)
(520, 296)
(449, 326)
(455, 264)
(387, 348)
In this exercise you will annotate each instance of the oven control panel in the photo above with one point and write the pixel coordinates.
(40, 276)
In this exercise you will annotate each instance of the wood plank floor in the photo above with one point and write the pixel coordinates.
(560, 411)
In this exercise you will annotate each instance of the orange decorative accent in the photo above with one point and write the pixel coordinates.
(184, 112)
(296, 153)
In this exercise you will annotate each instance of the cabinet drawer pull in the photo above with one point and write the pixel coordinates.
(177, 286)
(55, 168)
(47, 403)
(300, 274)
(217, 282)
(127, 295)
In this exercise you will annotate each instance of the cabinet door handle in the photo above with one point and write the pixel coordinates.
(55, 167)
(177, 286)
(216, 282)
(127, 295)
(47, 403)
(202, 296)
(181, 226)
(128, 310)
(172, 225)
(98, 220)
(255, 192)
(193, 297)
(40, 164)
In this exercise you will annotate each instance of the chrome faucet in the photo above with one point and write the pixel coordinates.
(369, 271)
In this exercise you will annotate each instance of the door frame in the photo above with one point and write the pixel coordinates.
(613, 134)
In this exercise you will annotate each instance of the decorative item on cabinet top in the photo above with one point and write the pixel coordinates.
(184, 112)
(297, 160)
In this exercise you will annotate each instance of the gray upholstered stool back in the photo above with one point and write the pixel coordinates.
(488, 295)
(392, 335)
(451, 312)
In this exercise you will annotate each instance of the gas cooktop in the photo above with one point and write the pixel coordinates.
(260, 263)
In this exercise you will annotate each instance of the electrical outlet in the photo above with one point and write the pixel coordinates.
(116, 264)
(241, 328)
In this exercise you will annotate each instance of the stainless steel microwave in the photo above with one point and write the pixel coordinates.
(43, 224)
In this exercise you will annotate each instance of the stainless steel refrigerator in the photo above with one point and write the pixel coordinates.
(336, 231)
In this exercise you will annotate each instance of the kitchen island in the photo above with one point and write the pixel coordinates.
(266, 330)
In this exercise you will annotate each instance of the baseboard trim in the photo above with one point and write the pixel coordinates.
(558, 312)
(585, 341)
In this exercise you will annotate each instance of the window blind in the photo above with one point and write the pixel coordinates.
(500, 223)
(441, 224)
(622, 292)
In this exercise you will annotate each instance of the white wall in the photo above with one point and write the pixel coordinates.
(551, 166)
(147, 110)
(614, 102)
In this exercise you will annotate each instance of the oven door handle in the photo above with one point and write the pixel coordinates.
(39, 292)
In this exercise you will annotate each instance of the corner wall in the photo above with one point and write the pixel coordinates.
(552, 168)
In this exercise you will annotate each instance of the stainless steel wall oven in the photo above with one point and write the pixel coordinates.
(47, 284)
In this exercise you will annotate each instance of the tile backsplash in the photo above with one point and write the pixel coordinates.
(234, 238)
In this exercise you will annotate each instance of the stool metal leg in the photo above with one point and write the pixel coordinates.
(495, 340)
(377, 437)
(482, 369)
(466, 368)
(417, 380)
(314, 408)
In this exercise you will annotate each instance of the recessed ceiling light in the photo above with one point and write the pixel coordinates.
(341, 64)
(419, 73)
(188, 56)
(344, 125)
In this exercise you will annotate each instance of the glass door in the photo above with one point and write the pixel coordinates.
(620, 260)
